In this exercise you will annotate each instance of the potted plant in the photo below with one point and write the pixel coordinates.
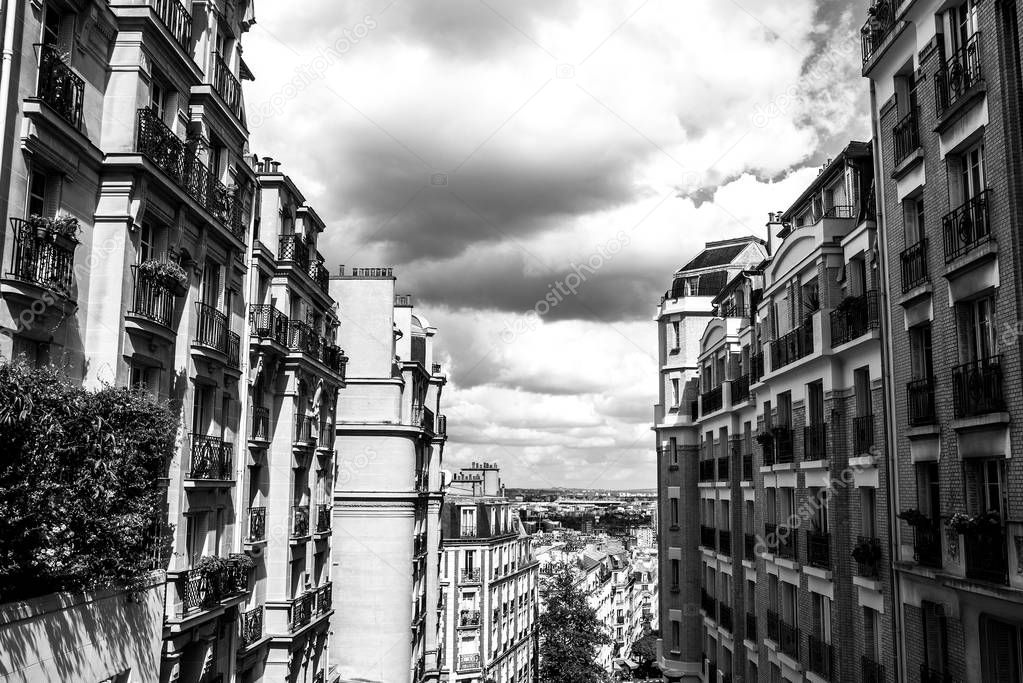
(210, 565)
(967, 525)
(960, 523)
(915, 518)
(167, 273)
(867, 552)
(765, 438)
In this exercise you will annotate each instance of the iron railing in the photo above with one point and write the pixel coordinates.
(234, 353)
(299, 521)
(986, 558)
(927, 545)
(470, 576)
(41, 260)
(176, 18)
(818, 549)
(740, 389)
(260, 423)
(210, 328)
(920, 397)
(820, 657)
(251, 626)
(269, 323)
(320, 275)
(301, 610)
(815, 442)
(879, 25)
(792, 346)
(870, 567)
(711, 400)
(967, 226)
(863, 433)
(257, 523)
(977, 387)
(873, 671)
(906, 134)
(292, 247)
(225, 83)
(324, 598)
(151, 300)
(914, 265)
(960, 73)
(854, 316)
(212, 458)
(322, 518)
(60, 87)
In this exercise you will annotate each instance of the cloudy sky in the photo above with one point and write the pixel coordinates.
(492, 149)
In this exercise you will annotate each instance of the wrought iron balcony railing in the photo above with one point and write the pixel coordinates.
(920, 397)
(257, 523)
(967, 226)
(234, 353)
(960, 73)
(906, 134)
(269, 323)
(60, 87)
(740, 389)
(927, 545)
(176, 18)
(468, 617)
(815, 442)
(792, 346)
(711, 400)
(818, 549)
(212, 458)
(41, 260)
(151, 300)
(470, 576)
(301, 610)
(293, 247)
(260, 423)
(225, 83)
(854, 316)
(302, 338)
(986, 557)
(914, 265)
(873, 671)
(299, 521)
(210, 328)
(252, 626)
(324, 598)
(723, 469)
(322, 518)
(203, 590)
(869, 565)
(173, 156)
(977, 387)
(725, 542)
(863, 433)
(879, 25)
(320, 275)
(305, 429)
(820, 657)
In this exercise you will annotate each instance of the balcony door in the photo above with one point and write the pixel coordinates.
(211, 284)
(976, 329)
(968, 177)
(1002, 651)
(202, 410)
(962, 25)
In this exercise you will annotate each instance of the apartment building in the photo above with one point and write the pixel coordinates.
(488, 584)
(297, 370)
(682, 317)
(388, 491)
(945, 106)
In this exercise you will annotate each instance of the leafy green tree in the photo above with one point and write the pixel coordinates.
(570, 632)
(644, 651)
(80, 483)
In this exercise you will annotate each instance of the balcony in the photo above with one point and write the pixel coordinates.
(711, 400)
(708, 537)
(211, 459)
(251, 626)
(751, 627)
(747, 467)
(977, 387)
(820, 657)
(324, 598)
(815, 442)
(786, 545)
(302, 338)
(773, 632)
(43, 261)
(268, 323)
(723, 468)
(299, 521)
(225, 83)
(868, 555)
(749, 547)
(906, 135)
(967, 226)
(914, 265)
(336, 360)
(204, 590)
(706, 470)
(292, 247)
(176, 18)
(301, 610)
(792, 346)
(234, 350)
(468, 531)
(709, 604)
(863, 433)
(788, 641)
(725, 617)
(318, 272)
(468, 617)
(257, 524)
(873, 671)
(854, 317)
(210, 328)
(151, 300)
(879, 25)
(927, 545)
(929, 675)
(468, 662)
(818, 549)
(260, 424)
(740, 389)
(170, 154)
(784, 448)
(322, 518)
(59, 87)
(986, 558)
(725, 542)
(305, 430)
(756, 365)
(470, 576)
(958, 76)
(920, 399)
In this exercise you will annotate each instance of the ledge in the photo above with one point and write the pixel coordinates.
(923, 431)
(817, 572)
(914, 294)
(863, 461)
(867, 584)
(956, 111)
(906, 165)
(820, 464)
(980, 421)
(975, 257)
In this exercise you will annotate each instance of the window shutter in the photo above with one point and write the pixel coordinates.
(51, 198)
(973, 499)
(66, 40)
(1002, 652)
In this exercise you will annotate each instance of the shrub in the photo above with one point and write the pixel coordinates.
(80, 482)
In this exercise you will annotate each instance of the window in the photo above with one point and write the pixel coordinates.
(468, 522)
(675, 397)
(674, 511)
(146, 242)
(43, 193)
(785, 410)
(920, 351)
(872, 635)
(677, 334)
(868, 512)
(145, 377)
(673, 454)
(676, 574)
(976, 330)
(985, 486)
(962, 24)
(966, 175)
(913, 219)
(676, 637)
(822, 617)
(935, 632)
(861, 387)
(160, 100)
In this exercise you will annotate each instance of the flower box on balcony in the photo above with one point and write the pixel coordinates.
(169, 275)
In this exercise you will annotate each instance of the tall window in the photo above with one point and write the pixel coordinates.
(967, 174)
(913, 219)
(674, 511)
(962, 24)
(146, 242)
(976, 330)
(676, 334)
(920, 351)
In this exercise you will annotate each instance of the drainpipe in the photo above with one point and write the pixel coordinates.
(9, 13)
(887, 375)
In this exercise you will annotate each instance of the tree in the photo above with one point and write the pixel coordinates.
(570, 632)
(80, 483)
(644, 651)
